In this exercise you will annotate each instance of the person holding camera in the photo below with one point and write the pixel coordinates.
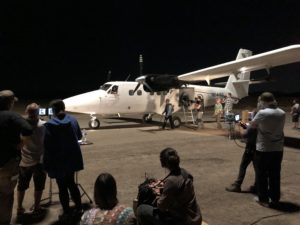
(176, 202)
(269, 121)
(250, 135)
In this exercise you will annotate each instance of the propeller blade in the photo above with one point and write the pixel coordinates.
(147, 86)
(137, 87)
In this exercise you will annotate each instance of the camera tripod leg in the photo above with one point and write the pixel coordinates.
(82, 189)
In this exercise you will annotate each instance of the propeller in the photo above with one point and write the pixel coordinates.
(142, 80)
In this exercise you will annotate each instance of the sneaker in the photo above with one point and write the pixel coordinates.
(233, 188)
(262, 203)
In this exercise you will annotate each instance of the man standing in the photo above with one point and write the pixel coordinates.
(31, 162)
(168, 111)
(12, 125)
(269, 122)
(229, 101)
(62, 157)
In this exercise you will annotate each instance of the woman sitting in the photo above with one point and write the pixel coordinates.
(108, 210)
(176, 203)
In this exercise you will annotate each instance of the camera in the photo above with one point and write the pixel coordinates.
(45, 111)
(42, 111)
(243, 125)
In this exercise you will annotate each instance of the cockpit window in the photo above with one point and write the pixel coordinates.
(105, 87)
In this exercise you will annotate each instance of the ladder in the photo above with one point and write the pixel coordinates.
(188, 115)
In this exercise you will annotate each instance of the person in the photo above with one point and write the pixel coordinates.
(218, 111)
(228, 103)
(198, 108)
(295, 110)
(250, 135)
(62, 157)
(108, 211)
(269, 122)
(12, 125)
(168, 111)
(31, 161)
(176, 203)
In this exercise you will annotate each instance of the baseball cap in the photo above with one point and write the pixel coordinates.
(8, 94)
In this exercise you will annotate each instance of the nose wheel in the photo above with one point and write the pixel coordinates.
(94, 123)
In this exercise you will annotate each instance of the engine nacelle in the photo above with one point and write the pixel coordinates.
(161, 82)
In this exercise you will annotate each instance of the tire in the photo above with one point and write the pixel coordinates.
(176, 121)
(94, 124)
(146, 119)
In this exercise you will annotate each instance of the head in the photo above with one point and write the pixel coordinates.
(295, 101)
(7, 99)
(58, 106)
(218, 100)
(229, 94)
(32, 111)
(105, 191)
(266, 100)
(169, 159)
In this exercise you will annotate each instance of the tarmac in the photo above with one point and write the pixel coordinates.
(129, 150)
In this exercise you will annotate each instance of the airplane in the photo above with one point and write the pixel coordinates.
(147, 94)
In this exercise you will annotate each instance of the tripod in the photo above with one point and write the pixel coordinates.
(81, 188)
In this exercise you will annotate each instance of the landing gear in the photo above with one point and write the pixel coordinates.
(176, 121)
(147, 118)
(94, 123)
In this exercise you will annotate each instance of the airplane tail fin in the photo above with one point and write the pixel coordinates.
(238, 84)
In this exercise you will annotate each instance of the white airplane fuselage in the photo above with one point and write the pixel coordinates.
(104, 102)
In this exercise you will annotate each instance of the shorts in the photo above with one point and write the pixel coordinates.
(295, 117)
(39, 177)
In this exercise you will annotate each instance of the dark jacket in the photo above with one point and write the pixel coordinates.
(178, 199)
(62, 152)
(11, 126)
(250, 135)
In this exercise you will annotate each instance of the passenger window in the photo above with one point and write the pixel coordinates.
(151, 93)
(139, 92)
(130, 92)
(158, 93)
(165, 92)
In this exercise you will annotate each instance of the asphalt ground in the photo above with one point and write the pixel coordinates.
(128, 150)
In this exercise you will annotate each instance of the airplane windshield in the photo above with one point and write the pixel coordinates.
(105, 87)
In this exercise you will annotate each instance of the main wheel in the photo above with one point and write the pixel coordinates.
(176, 121)
(94, 124)
(146, 119)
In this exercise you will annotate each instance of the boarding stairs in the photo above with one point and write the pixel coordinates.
(188, 115)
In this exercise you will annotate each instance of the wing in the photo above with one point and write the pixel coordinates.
(267, 60)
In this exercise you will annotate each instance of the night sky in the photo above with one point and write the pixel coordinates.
(44, 46)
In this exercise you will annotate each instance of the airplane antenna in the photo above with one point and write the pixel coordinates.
(141, 64)
(108, 76)
(127, 78)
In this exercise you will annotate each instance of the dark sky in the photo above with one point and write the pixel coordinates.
(45, 46)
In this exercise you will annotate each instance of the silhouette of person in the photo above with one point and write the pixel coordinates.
(108, 211)
(176, 204)
(63, 156)
(168, 112)
(269, 122)
(31, 161)
(12, 126)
